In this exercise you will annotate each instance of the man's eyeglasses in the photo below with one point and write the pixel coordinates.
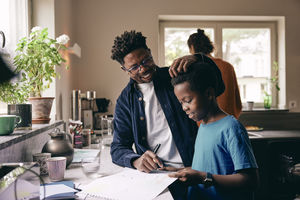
(135, 68)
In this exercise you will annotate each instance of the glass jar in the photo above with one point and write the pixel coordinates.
(267, 101)
(86, 137)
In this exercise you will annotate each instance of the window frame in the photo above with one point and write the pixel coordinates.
(218, 25)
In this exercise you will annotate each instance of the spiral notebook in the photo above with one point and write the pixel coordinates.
(128, 184)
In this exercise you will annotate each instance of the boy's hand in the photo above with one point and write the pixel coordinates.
(147, 162)
(181, 65)
(189, 176)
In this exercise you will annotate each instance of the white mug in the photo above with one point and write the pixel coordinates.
(56, 168)
(250, 105)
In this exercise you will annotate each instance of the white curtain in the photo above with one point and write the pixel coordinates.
(14, 22)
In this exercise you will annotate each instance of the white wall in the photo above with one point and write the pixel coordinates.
(96, 23)
(57, 16)
(64, 25)
(43, 16)
(93, 24)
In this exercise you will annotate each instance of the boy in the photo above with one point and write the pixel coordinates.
(223, 165)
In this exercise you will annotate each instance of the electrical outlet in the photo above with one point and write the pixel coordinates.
(292, 104)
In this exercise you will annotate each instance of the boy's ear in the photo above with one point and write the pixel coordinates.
(210, 93)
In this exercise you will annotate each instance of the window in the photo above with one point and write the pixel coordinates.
(248, 46)
(176, 44)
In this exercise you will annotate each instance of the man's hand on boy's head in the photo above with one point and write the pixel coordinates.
(189, 176)
(147, 162)
(181, 64)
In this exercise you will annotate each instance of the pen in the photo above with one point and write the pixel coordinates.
(156, 148)
(79, 190)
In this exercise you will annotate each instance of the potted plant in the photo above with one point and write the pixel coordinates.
(16, 95)
(37, 56)
(274, 80)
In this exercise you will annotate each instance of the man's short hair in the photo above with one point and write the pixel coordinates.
(126, 43)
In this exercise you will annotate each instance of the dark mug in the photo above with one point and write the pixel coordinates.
(24, 111)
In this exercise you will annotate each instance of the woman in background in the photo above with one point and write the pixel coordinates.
(230, 100)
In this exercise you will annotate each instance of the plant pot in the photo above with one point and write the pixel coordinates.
(41, 108)
(24, 111)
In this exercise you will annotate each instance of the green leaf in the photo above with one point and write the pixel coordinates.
(36, 58)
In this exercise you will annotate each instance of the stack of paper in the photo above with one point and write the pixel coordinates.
(128, 184)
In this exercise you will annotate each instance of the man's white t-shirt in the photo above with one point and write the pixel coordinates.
(158, 130)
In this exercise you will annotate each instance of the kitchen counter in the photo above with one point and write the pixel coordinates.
(22, 144)
(21, 135)
(274, 134)
(74, 173)
(271, 119)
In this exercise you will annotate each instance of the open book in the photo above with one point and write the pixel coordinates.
(128, 184)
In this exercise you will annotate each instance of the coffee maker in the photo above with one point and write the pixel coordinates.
(102, 115)
(88, 107)
(83, 107)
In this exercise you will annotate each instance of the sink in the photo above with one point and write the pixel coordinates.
(254, 135)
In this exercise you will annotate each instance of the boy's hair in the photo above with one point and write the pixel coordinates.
(201, 76)
(126, 43)
(200, 42)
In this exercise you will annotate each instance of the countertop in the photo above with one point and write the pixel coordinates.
(274, 134)
(74, 173)
(21, 135)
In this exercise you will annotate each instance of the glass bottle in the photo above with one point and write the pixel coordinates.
(267, 101)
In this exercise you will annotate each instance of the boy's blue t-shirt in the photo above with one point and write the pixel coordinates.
(222, 147)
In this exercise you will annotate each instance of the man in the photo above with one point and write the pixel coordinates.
(148, 113)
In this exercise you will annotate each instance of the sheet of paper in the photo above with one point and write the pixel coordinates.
(129, 184)
(84, 153)
(55, 189)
